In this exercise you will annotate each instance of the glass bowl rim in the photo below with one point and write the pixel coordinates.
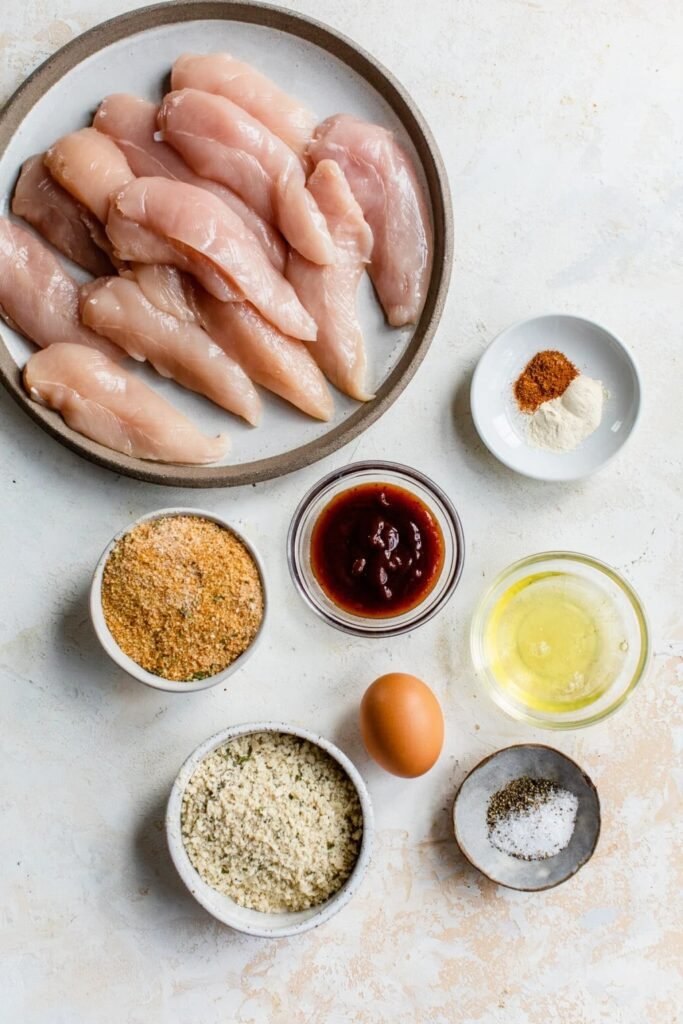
(486, 676)
(410, 475)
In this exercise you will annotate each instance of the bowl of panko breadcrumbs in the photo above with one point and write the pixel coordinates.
(178, 599)
(270, 828)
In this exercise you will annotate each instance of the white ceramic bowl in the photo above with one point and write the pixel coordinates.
(596, 352)
(109, 643)
(256, 922)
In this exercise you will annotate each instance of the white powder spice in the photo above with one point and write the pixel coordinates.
(563, 423)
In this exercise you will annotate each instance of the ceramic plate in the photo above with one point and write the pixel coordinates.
(134, 52)
(596, 352)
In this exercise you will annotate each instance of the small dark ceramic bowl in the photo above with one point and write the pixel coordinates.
(494, 772)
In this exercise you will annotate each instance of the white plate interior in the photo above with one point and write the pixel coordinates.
(596, 352)
(140, 64)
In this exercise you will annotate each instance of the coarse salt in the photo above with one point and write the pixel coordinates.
(540, 831)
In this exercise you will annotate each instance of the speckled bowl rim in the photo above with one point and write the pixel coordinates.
(420, 614)
(380, 79)
(484, 674)
(584, 775)
(189, 875)
(109, 644)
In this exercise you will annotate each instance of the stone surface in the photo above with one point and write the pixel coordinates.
(560, 126)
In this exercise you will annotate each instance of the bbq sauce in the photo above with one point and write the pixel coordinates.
(376, 550)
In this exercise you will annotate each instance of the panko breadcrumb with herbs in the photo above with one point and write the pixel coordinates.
(272, 821)
(182, 596)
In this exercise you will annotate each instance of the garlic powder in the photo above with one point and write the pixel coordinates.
(563, 423)
(272, 821)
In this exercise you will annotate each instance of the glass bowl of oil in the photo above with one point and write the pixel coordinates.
(560, 640)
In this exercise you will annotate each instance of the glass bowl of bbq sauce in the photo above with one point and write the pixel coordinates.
(376, 549)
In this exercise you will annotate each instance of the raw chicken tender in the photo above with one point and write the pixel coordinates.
(221, 141)
(117, 309)
(132, 123)
(276, 362)
(383, 180)
(211, 241)
(102, 401)
(90, 166)
(248, 88)
(165, 287)
(60, 218)
(37, 296)
(329, 293)
(143, 245)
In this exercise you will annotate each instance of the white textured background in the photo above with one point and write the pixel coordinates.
(560, 123)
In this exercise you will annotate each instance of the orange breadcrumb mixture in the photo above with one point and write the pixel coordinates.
(182, 597)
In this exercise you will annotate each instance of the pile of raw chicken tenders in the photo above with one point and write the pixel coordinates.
(226, 235)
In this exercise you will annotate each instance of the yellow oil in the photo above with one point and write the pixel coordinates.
(554, 642)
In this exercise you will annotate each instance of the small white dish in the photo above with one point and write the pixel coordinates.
(222, 907)
(596, 352)
(109, 643)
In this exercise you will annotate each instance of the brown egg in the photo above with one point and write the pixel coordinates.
(401, 723)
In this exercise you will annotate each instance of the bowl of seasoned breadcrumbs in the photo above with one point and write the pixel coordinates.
(270, 828)
(178, 599)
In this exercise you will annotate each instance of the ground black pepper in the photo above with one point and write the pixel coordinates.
(519, 795)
